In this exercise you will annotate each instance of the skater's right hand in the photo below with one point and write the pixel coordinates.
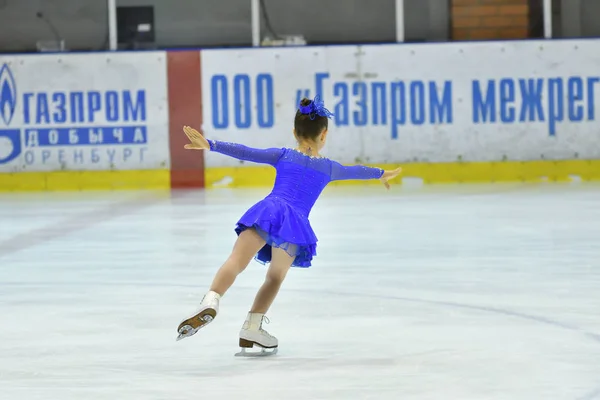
(198, 141)
(387, 175)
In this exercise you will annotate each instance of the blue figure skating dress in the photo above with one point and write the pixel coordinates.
(281, 218)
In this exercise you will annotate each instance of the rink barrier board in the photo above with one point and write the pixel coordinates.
(85, 180)
(407, 109)
(432, 173)
(87, 111)
(178, 88)
(241, 177)
(189, 169)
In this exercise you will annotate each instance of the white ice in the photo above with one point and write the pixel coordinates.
(444, 292)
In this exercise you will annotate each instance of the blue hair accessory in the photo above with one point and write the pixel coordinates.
(316, 107)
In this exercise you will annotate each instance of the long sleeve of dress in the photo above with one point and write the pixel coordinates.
(340, 172)
(241, 152)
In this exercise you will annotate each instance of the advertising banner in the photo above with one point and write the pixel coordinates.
(79, 112)
(488, 101)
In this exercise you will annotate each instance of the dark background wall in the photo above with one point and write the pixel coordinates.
(209, 23)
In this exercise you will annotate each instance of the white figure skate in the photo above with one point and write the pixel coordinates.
(209, 308)
(252, 335)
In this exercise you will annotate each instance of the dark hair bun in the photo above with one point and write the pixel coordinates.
(305, 102)
(311, 125)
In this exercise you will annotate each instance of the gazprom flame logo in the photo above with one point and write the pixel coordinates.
(8, 94)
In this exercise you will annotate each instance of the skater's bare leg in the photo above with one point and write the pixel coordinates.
(252, 332)
(281, 262)
(247, 245)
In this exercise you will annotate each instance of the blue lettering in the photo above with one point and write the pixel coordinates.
(29, 157)
(417, 102)
(265, 102)
(531, 95)
(134, 111)
(78, 156)
(342, 108)
(379, 103)
(220, 101)
(31, 138)
(43, 112)
(126, 154)
(360, 117)
(398, 107)
(26, 107)
(45, 156)
(61, 157)
(575, 95)
(52, 138)
(591, 98)
(112, 106)
(241, 101)
(94, 105)
(77, 113)
(555, 103)
(60, 102)
(46, 108)
(139, 135)
(507, 98)
(84, 136)
(440, 111)
(484, 110)
(389, 101)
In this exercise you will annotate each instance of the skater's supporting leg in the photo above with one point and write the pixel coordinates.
(281, 262)
(252, 332)
(247, 245)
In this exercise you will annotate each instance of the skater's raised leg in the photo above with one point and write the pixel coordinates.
(246, 246)
(252, 332)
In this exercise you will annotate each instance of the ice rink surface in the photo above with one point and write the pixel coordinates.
(446, 292)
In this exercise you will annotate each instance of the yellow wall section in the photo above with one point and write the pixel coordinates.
(85, 180)
(460, 172)
(483, 172)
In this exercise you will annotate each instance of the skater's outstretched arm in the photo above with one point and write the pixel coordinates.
(241, 152)
(340, 172)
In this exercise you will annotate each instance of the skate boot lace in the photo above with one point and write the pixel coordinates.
(267, 321)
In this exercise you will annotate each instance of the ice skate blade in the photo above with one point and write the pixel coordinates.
(246, 345)
(192, 325)
(262, 353)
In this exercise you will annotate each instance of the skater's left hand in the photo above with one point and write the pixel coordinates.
(387, 175)
(199, 142)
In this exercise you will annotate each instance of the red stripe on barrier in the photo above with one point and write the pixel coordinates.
(185, 108)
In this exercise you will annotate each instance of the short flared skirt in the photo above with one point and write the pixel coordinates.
(282, 226)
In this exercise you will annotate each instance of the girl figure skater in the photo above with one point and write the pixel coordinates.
(276, 230)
